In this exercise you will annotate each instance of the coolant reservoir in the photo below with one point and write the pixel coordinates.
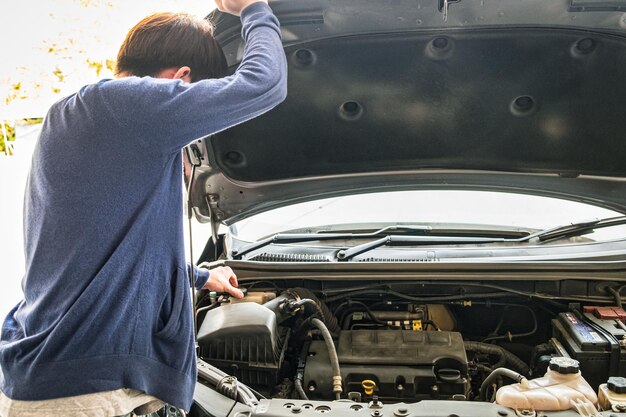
(557, 390)
(612, 395)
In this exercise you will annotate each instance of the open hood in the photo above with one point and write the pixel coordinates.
(503, 95)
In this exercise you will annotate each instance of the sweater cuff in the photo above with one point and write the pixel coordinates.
(255, 15)
(201, 276)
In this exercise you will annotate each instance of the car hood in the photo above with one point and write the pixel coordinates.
(498, 95)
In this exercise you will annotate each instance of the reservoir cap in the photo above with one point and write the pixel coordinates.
(617, 384)
(564, 365)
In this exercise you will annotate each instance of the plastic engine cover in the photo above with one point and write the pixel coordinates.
(414, 365)
(245, 341)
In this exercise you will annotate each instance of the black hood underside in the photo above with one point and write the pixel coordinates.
(509, 99)
(506, 100)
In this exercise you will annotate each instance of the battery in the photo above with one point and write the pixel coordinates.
(594, 342)
(606, 313)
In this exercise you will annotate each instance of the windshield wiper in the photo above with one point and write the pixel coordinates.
(309, 237)
(575, 229)
(346, 254)
(559, 232)
(447, 236)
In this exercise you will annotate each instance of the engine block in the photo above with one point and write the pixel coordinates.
(403, 364)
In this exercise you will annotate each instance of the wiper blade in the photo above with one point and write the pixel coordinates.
(309, 237)
(559, 232)
(346, 254)
(445, 236)
(575, 229)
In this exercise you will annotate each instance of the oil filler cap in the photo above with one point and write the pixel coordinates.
(617, 384)
(564, 365)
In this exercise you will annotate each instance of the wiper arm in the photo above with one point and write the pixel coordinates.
(346, 254)
(384, 232)
(310, 237)
(575, 229)
(570, 230)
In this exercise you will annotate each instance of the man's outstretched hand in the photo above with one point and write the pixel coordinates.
(235, 6)
(223, 279)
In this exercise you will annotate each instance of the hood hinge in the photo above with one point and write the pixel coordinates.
(444, 5)
(215, 214)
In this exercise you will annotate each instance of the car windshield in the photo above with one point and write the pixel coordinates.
(420, 207)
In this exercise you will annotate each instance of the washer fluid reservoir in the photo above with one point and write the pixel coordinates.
(559, 389)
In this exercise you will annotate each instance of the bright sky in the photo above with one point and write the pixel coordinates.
(46, 47)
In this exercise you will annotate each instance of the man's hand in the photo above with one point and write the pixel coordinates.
(235, 6)
(223, 279)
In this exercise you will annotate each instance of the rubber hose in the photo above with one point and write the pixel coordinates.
(217, 378)
(300, 389)
(332, 354)
(308, 301)
(346, 322)
(227, 387)
(516, 363)
(488, 349)
(616, 294)
(326, 315)
(504, 356)
(493, 376)
(538, 351)
(484, 368)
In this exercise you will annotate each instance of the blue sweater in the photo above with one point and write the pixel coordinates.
(106, 295)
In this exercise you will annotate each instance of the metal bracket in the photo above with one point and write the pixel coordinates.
(215, 214)
(444, 6)
(194, 155)
(526, 413)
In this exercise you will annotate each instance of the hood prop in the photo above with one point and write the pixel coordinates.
(192, 151)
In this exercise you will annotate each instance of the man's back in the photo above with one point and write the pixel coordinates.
(107, 301)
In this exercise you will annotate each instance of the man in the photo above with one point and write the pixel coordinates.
(105, 325)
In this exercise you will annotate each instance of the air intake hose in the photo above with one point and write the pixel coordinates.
(321, 309)
(492, 378)
(504, 356)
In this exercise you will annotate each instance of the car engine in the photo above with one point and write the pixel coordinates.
(299, 343)
(397, 364)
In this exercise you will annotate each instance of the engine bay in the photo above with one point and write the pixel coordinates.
(385, 343)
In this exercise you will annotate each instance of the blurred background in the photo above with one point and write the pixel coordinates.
(49, 49)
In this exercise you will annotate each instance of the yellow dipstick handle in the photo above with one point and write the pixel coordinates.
(368, 386)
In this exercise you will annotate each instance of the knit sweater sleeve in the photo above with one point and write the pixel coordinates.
(175, 113)
(201, 275)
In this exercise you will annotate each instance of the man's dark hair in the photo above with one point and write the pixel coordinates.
(165, 40)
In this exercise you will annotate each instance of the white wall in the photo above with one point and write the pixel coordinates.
(13, 174)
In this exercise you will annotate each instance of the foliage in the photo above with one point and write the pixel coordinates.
(68, 51)
(99, 65)
(72, 43)
(7, 130)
